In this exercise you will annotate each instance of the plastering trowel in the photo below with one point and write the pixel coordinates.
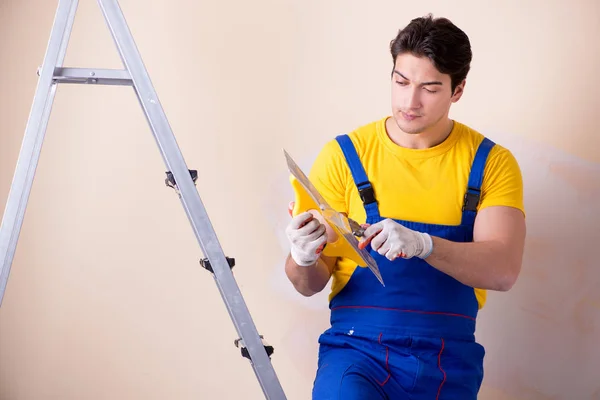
(346, 244)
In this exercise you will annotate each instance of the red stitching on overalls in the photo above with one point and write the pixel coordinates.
(441, 369)
(412, 311)
(387, 367)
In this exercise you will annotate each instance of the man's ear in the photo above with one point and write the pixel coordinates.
(458, 91)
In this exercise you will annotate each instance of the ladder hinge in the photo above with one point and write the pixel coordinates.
(239, 343)
(205, 262)
(170, 181)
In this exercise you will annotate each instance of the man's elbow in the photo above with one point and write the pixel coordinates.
(305, 291)
(304, 288)
(508, 279)
(505, 284)
(302, 284)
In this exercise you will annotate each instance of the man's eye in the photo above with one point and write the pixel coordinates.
(401, 83)
(430, 91)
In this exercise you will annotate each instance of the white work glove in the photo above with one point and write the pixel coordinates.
(392, 240)
(307, 238)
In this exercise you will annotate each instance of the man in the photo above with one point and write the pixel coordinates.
(444, 209)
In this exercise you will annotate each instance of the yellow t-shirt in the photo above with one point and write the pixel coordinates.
(420, 185)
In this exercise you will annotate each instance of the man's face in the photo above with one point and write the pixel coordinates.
(421, 95)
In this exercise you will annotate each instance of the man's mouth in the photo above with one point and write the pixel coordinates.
(409, 117)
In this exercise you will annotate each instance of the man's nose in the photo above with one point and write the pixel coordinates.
(413, 99)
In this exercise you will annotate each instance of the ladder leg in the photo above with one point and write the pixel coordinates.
(35, 131)
(190, 199)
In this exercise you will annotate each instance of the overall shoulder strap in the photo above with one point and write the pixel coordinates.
(473, 193)
(365, 189)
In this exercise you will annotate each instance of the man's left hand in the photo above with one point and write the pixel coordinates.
(392, 240)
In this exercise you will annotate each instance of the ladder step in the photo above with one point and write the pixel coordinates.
(116, 77)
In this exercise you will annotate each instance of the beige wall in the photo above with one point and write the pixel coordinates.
(106, 298)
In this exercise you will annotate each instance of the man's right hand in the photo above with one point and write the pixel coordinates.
(307, 237)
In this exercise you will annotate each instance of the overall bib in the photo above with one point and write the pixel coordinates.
(413, 338)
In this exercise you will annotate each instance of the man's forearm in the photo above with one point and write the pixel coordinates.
(308, 280)
(483, 265)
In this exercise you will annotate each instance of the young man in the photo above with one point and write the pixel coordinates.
(444, 206)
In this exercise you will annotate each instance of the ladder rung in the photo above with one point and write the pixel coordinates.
(119, 77)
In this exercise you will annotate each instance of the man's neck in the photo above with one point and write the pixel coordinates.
(424, 140)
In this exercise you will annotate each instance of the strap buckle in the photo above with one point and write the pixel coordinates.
(471, 200)
(367, 194)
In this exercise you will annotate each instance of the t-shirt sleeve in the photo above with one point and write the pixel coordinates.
(503, 181)
(329, 175)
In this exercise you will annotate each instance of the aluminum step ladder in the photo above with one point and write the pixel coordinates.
(178, 176)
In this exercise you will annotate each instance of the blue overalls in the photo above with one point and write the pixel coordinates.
(413, 338)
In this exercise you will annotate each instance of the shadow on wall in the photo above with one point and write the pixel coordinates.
(540, 337)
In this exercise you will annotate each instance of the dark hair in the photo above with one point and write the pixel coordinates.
(441, 41)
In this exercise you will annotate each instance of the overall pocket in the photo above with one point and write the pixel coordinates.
(404, 366)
